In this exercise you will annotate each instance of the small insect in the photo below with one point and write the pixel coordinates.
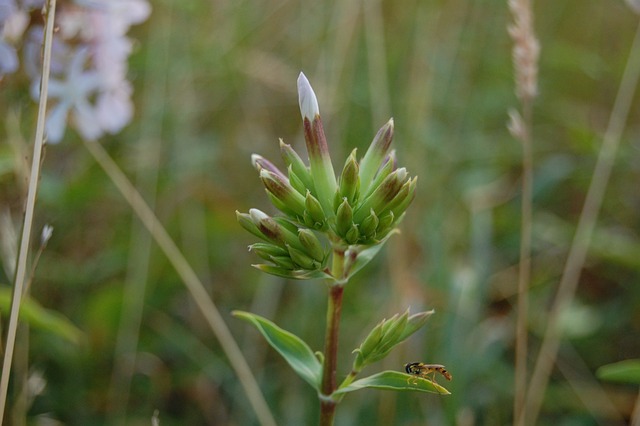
(426, 371)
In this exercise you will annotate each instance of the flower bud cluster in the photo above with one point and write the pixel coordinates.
(359, 207)
(386, 335)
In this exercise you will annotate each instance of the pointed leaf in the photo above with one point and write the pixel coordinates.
(394, 380)
(296, 274)
(627, 371)
(293, 349)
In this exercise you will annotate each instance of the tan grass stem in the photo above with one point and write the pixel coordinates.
(189, 278)
(586, 224)
(27, 225)
(525, 61)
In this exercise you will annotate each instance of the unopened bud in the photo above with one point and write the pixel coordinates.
(349, 179)
(344, 218)
(352, 235)
(369, 225)
(293, 160)
(260, 163)
(284, 262)
(267, 226)
(322, 173)
(312, 244)
(375, 155)
(296, 182)
(387, 168)
(385, 223)
(402, 205)
(302, 259)
(382, 195)
(283, 191)
(245, 220)
(314, 209)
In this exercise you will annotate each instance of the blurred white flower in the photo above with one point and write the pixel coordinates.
(8, 59)
(72, 94)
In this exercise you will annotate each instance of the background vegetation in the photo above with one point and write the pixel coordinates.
(214, 83)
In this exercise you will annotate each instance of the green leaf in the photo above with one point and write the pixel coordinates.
(44, 319)
(293, 349)
(627, 371)
(394, 380)
(297, 274)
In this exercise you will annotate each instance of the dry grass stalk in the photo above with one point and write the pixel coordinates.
(526, 49)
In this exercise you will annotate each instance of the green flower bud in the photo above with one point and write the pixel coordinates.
(344, 218)
(369, 225)
(301, 259)
(267, 250)
(352, 235)
(293, 160)
(283, 262)
(267, 226)
(283, 191)
(314, 209)
(260, 163)
(385, 224)
(349, 179)
(276, 229)
(375, 155)
(322, 172)
(383, 173)
(382, 195)
(247, 223)
(280, 205)
(402, 205)
(312, 244)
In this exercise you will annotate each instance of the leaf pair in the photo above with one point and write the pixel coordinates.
(306, 364)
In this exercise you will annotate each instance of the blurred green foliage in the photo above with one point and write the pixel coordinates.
(215, 82)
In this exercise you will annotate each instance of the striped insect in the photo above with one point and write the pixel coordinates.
(426, 371)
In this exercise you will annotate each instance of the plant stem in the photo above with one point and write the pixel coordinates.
(23, 251)
(524, 273)
(334, 309)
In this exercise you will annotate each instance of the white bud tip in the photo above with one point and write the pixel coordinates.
(401, 173)
(307, 98)
(254, 160)
(257, 215)
(47, 231)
